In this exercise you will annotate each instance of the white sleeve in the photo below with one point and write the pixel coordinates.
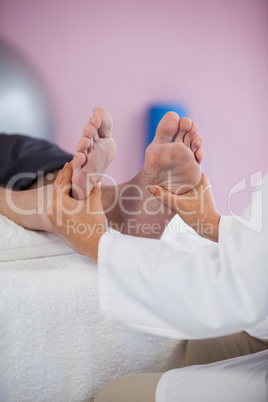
(225, 229)
(147, 286)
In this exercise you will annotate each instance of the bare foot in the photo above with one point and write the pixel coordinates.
(94, 153)
(172, 160)
(176, 164)
(130, 207)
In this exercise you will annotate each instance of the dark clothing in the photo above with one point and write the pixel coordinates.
(23, 159)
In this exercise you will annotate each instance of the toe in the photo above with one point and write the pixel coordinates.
(95, 121)
(103, 122)
(199, 155)
(167, 128)
(185, 125)
(79, 160)
(190, 135)
(196, 142)
(84, 144)
(90, 129)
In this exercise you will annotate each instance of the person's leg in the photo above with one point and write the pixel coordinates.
(44, 181)
(27, 208)
(29, 163)
(129, 207)
(24, 159)
(131, 388)
(206, 351)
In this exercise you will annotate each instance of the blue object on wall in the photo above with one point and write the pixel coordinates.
(155, 114)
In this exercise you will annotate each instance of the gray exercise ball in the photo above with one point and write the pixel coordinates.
(24, 103)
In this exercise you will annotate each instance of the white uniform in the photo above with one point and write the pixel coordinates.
(217, 289)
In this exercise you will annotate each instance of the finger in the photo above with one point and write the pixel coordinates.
(164, 196)
(94, 199)
(56, 181)
(204, 181)
(62, 186)
(65, 177)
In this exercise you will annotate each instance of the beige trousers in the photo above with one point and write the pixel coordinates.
(142, 387)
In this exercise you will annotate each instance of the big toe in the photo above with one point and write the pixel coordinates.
(167, 128)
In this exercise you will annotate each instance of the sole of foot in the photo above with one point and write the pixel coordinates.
(173, 158)
(95, 151)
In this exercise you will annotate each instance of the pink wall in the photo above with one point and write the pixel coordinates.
(210, 55)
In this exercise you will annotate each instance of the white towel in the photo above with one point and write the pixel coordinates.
(54, 343)
(16, 243)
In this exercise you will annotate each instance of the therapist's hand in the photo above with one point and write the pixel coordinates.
(197, 207)
(80, 224)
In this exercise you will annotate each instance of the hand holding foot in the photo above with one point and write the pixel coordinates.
(67, 216)
(197, 207)
(174, 165)
(172, 161)
(94, 153)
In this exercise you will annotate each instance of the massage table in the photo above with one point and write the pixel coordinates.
(55, 345)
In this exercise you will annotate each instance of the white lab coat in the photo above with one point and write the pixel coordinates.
(217, 289)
